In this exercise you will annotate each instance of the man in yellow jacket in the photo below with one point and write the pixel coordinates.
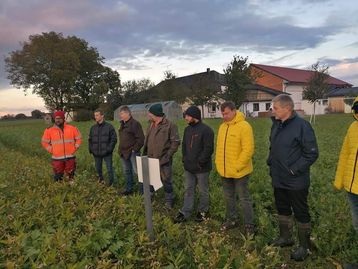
(347, 169)
(234, 150)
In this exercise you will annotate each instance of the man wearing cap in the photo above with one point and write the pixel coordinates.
(197, 148)
(102, 139)
(161, 142)
(347, 170)
(62, 140)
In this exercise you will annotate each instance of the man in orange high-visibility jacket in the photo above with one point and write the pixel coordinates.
(62, 140)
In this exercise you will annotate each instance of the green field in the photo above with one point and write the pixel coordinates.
(87, 225)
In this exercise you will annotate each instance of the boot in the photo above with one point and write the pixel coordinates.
(285, 238)
(169, 200)
(303, 250)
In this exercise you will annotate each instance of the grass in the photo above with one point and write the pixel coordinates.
(86, 225)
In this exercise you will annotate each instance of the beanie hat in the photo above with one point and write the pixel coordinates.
(194, 112)
(355, 107)
(59, 113)
(156, 110)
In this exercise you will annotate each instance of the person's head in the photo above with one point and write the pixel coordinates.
(59, 117)
(355, 108)
(228, 110)
(192, 115)
(99, 116)
(282, 107)
(155, 112)
(124, 113)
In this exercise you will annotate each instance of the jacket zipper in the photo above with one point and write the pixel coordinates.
(354, 171)
(62, 134)
(227, 130)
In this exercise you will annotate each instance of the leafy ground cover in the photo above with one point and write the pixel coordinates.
(86, 225)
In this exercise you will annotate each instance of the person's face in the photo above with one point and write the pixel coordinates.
(59, 121)
(280, 112)
(124, 115)
(98, 117)
(189, 119)
(228, 114)
(151, 117)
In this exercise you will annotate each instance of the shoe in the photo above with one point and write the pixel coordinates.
(230, 224)
(350, 265)
(179, 218)
(126, 193)
(201, 216)
(250, 229)
(285, 238)
(303, 250)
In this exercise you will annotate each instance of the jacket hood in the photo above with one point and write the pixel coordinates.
(355, 115)
(238, 117)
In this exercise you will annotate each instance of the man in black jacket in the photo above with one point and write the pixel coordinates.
(293, 149)
(101, 142)
(197, 148)
(131, 140)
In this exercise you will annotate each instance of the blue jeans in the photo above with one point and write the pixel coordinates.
(129, 167)
(191, 180)
(109, 164)
(353, 202)
(232, 187)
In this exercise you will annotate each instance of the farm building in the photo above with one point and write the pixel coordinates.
(171, 110)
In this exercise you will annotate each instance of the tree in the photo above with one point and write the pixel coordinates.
(64, 71)
(317, 86)
(238, 77)
(137, 91)
(20, 116)
(37, 114)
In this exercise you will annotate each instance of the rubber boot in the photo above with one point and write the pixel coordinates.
(285, 238)
(169, 199)
(303, 250)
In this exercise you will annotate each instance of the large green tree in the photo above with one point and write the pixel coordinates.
(137, 91)
(238, 77)
(65, 71)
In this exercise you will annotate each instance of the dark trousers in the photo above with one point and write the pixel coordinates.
(292, 200)
(108, 160)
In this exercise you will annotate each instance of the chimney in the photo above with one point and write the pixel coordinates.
(208, 70)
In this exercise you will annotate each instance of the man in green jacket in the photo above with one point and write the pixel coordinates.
(161, 142)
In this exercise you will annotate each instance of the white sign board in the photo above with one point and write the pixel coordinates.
(154, 172)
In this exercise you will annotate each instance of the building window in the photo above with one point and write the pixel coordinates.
(268, 106)
(211, 108)
(256, 106)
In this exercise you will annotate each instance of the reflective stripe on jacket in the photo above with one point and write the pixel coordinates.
(347, 168)
(61, 144)
(234, 148)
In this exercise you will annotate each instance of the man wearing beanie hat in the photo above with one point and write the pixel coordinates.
(62, 140)
(197, 148)
(347, 171)
(161, 142)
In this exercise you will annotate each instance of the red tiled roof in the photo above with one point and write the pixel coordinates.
(296, 75)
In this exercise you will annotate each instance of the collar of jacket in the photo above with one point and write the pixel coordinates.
(283, 124)
(355, 115)
(238, 117)
(101, 124)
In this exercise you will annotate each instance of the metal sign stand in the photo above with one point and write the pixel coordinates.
(147, 198)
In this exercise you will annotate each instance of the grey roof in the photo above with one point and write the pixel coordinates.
(265, 89)
(343, 92)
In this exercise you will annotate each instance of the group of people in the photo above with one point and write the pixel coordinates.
(293, 149)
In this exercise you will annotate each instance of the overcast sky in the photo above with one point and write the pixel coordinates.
(142, 38)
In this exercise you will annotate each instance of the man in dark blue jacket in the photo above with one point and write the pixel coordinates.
(101, 142)
(197, 148)
(293, 149)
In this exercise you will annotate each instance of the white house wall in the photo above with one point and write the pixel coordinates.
(295, 92)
